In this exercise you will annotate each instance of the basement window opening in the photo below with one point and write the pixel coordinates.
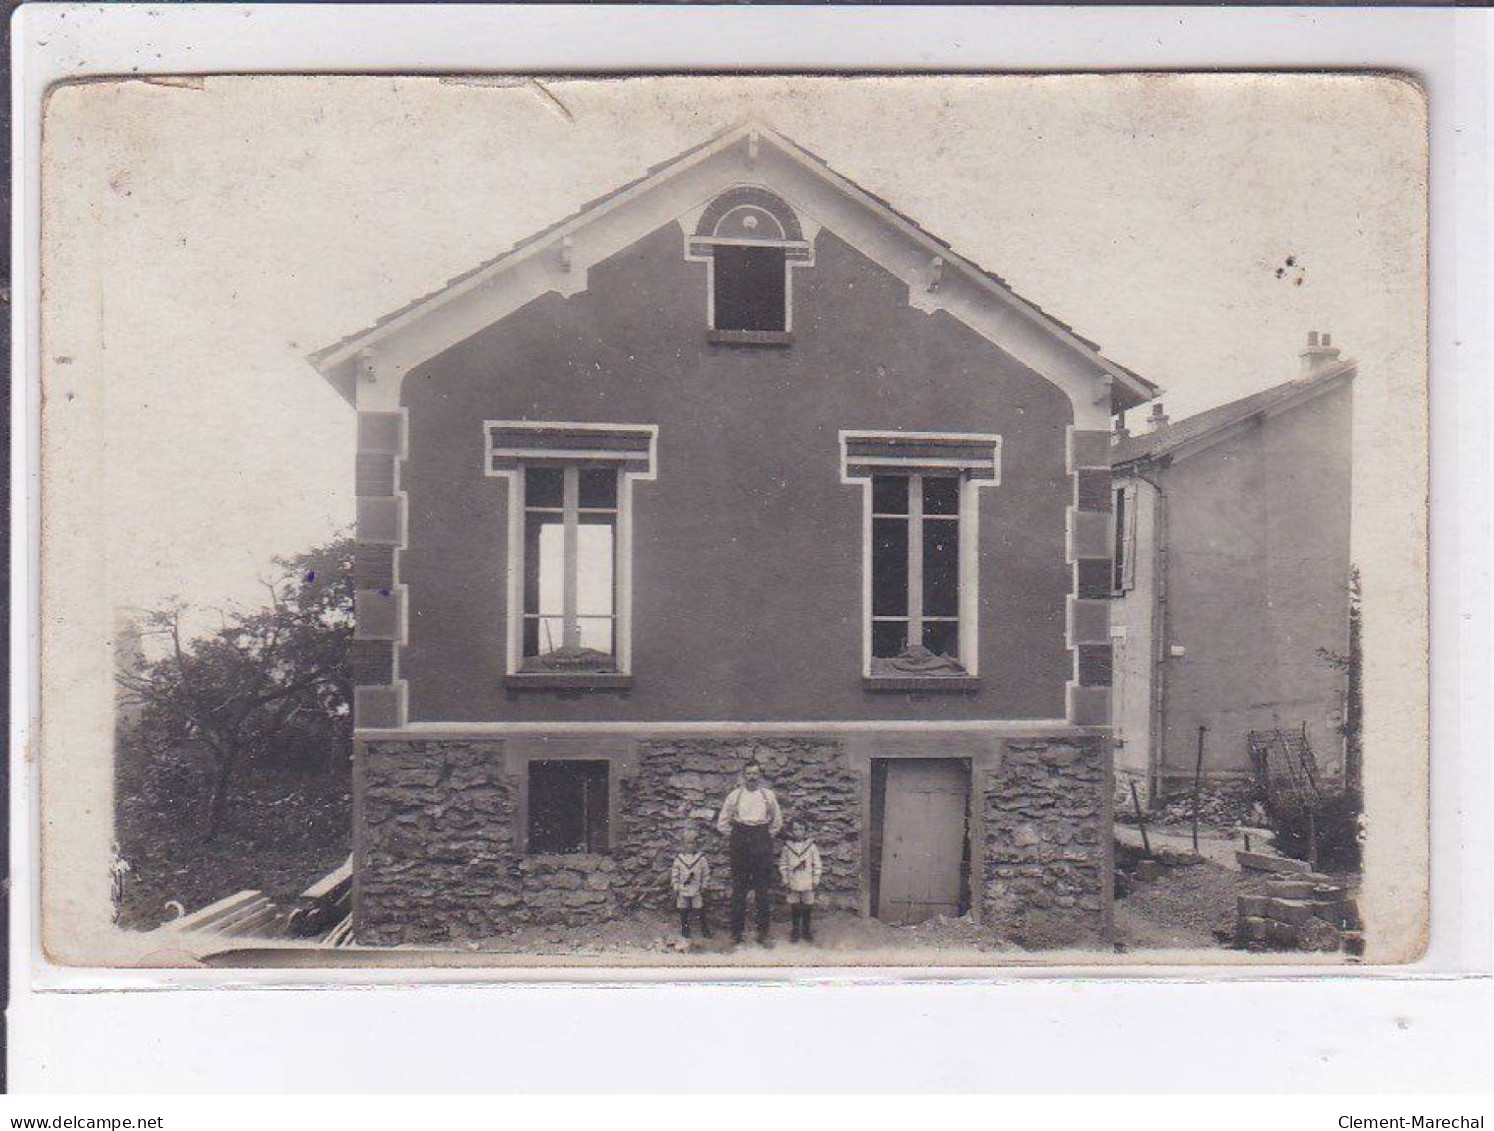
(568, 807)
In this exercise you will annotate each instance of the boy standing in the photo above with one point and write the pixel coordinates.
(800, 867)
(688, 876)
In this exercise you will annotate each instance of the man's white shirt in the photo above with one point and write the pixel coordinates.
(750, 807)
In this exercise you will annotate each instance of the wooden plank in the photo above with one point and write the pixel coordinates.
(342, 934)
(213, 912)
(229, 923)
(326, 885)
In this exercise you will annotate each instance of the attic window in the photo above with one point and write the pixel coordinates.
(751, 289)
(752, 240)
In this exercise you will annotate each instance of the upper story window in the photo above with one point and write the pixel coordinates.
(916, 569)
(921, 557)
(570, 568)
(751, 241)
(570, 604)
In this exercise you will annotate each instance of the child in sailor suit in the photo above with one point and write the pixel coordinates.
(800, 868)
(688, 876)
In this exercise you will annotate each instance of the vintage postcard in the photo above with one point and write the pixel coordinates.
(717, 522)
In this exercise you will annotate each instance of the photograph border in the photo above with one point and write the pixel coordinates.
(1460, 886)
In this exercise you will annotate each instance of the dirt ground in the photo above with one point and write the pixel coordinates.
(1188, 906)
(658, 934)
(1184, 907)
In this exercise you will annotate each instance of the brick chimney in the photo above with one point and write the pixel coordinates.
(1319, 354)
(1158, 418)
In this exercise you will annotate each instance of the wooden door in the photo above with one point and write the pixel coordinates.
(923, 839)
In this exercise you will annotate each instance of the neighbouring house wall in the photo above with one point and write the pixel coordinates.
(1133, 617)
(747, 560)
(1257, 584)
(440, 855)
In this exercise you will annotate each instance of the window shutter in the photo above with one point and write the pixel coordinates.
(1128, 570)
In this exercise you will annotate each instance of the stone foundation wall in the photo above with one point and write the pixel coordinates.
(1049, 848)
(439, 826)
(684, 782)
(435, 837)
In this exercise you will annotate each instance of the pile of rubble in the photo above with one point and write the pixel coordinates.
(1221, 805)
(1300, 911)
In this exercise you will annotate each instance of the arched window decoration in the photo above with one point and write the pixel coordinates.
(751, 239)
(749, 213)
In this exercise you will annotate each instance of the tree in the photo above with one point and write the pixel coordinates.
(1334, 815)
(1352, 665)
(272, 684)
(1354, 698)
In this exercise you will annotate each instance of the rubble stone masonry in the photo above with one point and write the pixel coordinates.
(440, 855)
(1049, 848)
(683, 780)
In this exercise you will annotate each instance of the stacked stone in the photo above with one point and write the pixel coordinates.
(437, 844)
(1047, 863)
(440, 861)
(569, 891)
(1306, 911)
(684, 782)
(439, 858)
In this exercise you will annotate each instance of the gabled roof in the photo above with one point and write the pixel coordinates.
(1210, 426)
(336, 361)
(356, 339)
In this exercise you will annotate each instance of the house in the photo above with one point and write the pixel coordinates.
(736, 463)
(1231, 579)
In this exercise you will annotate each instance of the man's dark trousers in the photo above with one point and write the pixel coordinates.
(751, 870)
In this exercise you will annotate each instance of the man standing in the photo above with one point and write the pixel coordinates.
(750, 818)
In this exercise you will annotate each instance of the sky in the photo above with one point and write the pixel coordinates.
(200, 240)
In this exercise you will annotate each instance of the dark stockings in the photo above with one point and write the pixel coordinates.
(800, 913)
(686, 913)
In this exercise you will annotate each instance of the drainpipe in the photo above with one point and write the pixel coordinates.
(1158, 727)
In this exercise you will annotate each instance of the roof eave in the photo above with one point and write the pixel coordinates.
(338, 362)
(1184, 446)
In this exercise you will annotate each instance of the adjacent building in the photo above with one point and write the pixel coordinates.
(737, 463)
(1231, 576)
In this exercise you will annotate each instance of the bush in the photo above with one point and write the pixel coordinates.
(1336, 821)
